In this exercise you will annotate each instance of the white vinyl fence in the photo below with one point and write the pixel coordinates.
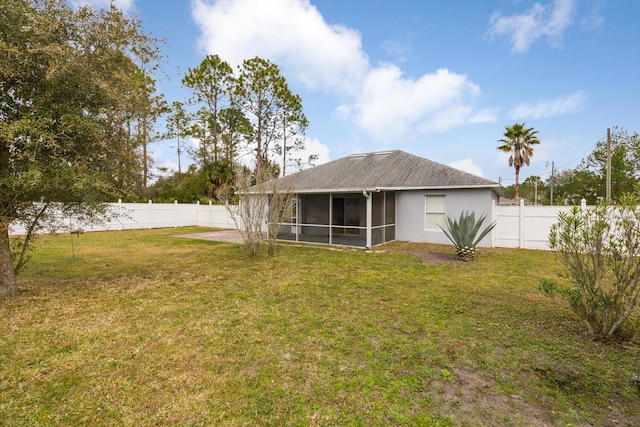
(516, 226)
(525, 227)
(133, 216)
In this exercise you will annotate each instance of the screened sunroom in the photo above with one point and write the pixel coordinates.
(365, 200)
(363, 219)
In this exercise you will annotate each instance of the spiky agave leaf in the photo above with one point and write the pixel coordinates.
(463, 233)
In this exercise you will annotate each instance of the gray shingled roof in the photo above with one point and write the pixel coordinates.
(387, 170)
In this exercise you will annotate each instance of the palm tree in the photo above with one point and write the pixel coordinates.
(518, 141)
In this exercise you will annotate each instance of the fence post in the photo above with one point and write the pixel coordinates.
(150, 213)
(521, 225)
(175, 224)
(493, 219)
(583, 204)
(198, 213)
(119, 211)
(210, 214)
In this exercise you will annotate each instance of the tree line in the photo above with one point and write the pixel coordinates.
(79, 109)
(245, 117)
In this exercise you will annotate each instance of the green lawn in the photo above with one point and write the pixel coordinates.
(140, 328)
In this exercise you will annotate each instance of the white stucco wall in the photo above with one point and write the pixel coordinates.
(410, 212)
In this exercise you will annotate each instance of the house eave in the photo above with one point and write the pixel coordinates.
(335, 190)
(495, 188)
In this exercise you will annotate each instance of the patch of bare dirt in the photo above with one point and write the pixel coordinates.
(570, 377)
(469, 399)
(429, 253)
(436, 258)
(231, 236)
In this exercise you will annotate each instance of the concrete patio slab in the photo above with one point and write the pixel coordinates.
(231, 236)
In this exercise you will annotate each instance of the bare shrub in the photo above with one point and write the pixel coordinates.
(600, 249)
(262, 207)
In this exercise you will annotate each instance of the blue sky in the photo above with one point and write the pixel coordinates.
(438, 79)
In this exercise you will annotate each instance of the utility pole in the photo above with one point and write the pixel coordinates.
(552, 168)
(608, 190)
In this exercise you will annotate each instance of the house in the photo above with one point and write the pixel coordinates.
(370, 199)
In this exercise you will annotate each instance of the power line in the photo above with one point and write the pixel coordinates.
(590, 150)
(580, 157)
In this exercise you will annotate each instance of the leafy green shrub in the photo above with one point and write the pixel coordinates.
(463, 233)
(600, 249)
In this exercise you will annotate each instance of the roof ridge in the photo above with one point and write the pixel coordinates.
(384, 169)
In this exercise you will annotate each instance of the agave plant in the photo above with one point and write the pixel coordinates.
(463, 233)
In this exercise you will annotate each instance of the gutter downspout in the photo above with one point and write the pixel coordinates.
(367, 195)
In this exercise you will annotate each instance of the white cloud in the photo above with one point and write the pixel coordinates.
(166, 168)
(560, 106)
(328, 57)
(390, 106)
(290, 33)
(124, 5)
(398, 49)
(155, 154)
(487, 115)
(540, 21)
(468, 166)
(595, 19)
(312, 146)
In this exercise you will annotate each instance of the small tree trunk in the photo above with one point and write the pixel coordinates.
(8, 284)
(145, 163)
(517, 193)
